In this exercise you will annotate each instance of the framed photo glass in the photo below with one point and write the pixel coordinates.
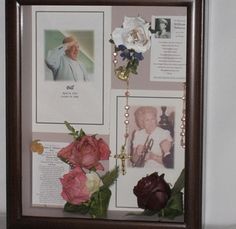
(104, 113)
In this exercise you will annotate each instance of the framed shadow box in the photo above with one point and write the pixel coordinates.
(104, 113)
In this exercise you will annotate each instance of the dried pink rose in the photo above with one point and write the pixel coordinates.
(74, 189)
(103, 149)
(65, 154)
(86, 153)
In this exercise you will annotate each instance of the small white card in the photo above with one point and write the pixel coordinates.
(47, 169)
(168, 51)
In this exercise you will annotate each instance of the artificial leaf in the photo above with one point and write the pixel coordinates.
(76, 135)
(69, 127)
(174, 206)
(110, 177)
(179, 184)
(99, 203)
(81, 133)
(82, 208)
(111, 41)
(74, 132)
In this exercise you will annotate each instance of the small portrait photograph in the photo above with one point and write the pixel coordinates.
(69, 55)
(152, 137)
(163, 28)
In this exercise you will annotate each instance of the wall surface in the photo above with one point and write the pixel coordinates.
(220, 187)
(220, 183)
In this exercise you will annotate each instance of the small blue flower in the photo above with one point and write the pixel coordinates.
(126, 54)
(121, 47)
(138, 56)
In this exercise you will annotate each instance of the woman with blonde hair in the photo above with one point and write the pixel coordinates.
(150, 143)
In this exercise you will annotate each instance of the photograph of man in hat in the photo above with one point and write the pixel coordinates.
(162, 27)
(63, 62)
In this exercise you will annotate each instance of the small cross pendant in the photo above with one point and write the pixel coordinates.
(122, 156)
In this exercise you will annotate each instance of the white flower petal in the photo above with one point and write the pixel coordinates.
(93, 182)
(135, 34)
(117, 36)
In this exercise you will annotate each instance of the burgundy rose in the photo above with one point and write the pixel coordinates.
(152, 192)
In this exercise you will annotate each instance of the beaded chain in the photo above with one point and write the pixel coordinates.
(183, 119)
(123, 156)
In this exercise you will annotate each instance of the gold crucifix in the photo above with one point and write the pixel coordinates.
(122, 156)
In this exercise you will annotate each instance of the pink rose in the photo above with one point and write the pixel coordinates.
(104, 149)
(74, 189)
(65, 154)
(86, 152)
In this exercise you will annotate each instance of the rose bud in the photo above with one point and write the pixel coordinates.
(152, 192)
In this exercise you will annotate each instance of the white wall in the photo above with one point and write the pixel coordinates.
(221, 114)
(220, 188)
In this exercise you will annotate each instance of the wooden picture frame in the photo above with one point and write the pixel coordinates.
(17, 108)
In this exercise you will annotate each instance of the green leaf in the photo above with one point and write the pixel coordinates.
(99, 203)
(174, 206)
(111, 41)
(81, 133)
(69, 127)
(133, 66)
(82, 208)
(75, 133)
(179, 184)
(110, 177)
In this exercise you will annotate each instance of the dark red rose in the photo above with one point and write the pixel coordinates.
(152, 192)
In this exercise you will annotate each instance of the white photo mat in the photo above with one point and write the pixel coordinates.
(83, 104)
(122, 192)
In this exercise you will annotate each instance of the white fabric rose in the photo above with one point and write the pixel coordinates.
(93, 182)
(135, 34)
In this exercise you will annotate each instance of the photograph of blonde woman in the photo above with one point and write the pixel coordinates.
(152, 140)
